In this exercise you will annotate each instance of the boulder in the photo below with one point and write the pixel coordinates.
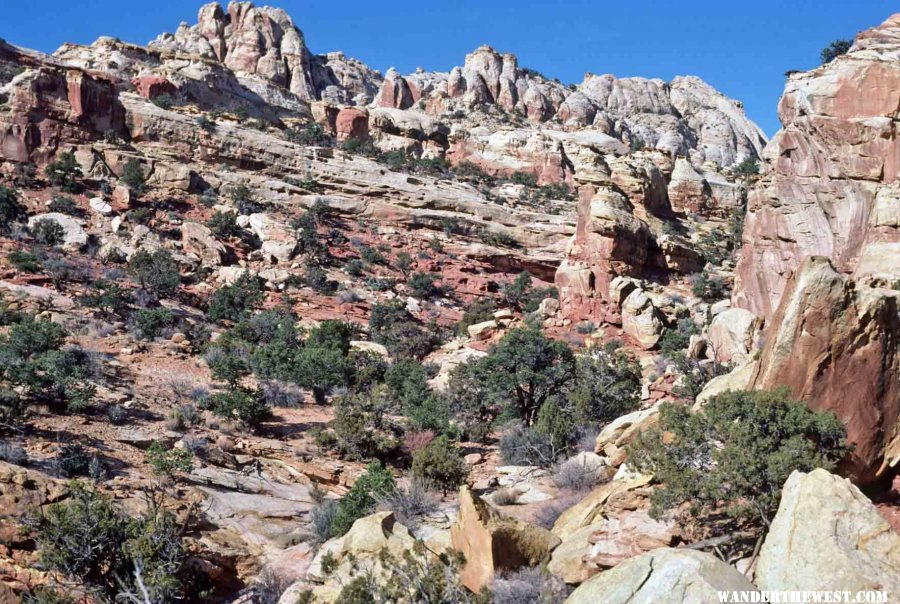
(622, 431)
(483, 330)
(732, 335)
(279, 242)
(641, 320)
(74, 235)
(828, 535)
(101, 207)
(352, 123)
(198, 239)
(608, 542)
(620, 493)
(361, 546)
(688, 190)
(493, 543)
(738, 378)
(663, 576)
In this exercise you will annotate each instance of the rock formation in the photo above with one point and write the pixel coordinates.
(826, 533)
(827, 190)
(663, 576)
(834, 343)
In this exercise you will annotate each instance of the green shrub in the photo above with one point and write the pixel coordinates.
(168, 462)
(47, 231)
(361, 428)
(246, 406)
(64, 172)
(735, 453)
(31, 360)
(107, 297)
(834, 50)
(311, 134)
(498, 239)
(524, 178)
(157, 272)
(24, 261)
(478, 311)
(677, 339)
(92, 542)
(748, 167)
(224, 225)
(606, 386)
(421, 285)
(392, 325)
(229, 359)
(150, 322)
(360, 500)
(11, 209)
(440, 465)
(163, 101)
(64, 205)
(520, 293)
(133, 177)
(518, 375)
(709, 288)
(234, 302)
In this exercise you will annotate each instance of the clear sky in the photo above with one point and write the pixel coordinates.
(741, 48)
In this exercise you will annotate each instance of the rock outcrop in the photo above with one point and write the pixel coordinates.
(826, 189)
(493, 543)
(828, 535)
(834, 344)
(51, 105)
(663, 576)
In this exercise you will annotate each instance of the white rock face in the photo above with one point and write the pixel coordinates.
(278, 241)
(101, 207)
(74, 236)
(662, 576)
(732, 334)
(828, 535)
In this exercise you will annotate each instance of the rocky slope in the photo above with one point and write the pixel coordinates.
(232, 147)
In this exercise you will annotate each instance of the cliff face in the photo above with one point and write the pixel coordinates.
(821, 246)
(829, 188)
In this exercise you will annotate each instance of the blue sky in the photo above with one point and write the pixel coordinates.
(741, 48)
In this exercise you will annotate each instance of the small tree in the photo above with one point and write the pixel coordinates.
(834, 50)
(224, 225)
(234, 302)
(168, 462)
(606, 386)
(150, 322)
(107, 297)
(89, 540)
(360, 500)
(440, 465)
(157, 272)
(11, 209)
(133, 177)
(748, 167)
(47, 231)
(247, 406)
(735, 453)
(518, 375)
(64, 172)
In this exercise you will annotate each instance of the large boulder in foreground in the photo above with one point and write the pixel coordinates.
(828, 536)
(833, 343)
(493, 543)
(663, 576)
